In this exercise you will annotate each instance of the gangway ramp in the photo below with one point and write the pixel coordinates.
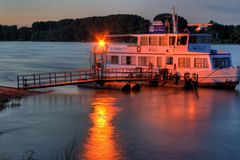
(53, 79)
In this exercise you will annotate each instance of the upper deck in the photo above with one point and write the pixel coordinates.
(168, 43)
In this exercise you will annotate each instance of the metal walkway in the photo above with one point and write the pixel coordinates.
(44, 80)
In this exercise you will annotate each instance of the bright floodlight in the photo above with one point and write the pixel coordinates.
(102, 43)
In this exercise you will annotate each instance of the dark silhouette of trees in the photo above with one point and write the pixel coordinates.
(167, 18)
(88, 29)
(222, 33)
(8, 33)
(24, 34)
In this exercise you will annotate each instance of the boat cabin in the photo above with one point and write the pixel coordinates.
(186, 42)
(177, 52)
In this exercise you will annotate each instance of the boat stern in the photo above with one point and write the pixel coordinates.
(220, 78)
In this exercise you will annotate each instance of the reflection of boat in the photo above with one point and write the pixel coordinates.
(123, 86)
(178, 52)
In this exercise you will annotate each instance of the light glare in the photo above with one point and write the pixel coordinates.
(102, 43)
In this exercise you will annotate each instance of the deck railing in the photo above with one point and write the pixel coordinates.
(54, 78)
(42, 80)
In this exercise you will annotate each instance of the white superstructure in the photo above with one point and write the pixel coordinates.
(179, 53)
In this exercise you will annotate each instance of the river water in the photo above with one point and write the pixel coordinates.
(156, 123)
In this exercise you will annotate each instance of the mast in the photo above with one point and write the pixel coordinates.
(174, 19)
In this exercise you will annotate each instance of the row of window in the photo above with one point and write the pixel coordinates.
(199, 39)
(198, 63)
(162, 41)
(203, 62)
(221, 62)
(131, 60)
(182, 62)
(172, 40)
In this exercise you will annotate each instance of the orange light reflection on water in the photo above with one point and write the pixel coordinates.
(101, 143)
(173, 113)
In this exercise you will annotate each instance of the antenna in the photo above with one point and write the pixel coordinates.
(200, 26)
(175, 21)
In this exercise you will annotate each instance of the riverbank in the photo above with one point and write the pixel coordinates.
(8, 93)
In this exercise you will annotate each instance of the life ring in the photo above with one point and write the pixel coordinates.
(138, 49)
(194, 77)
(187, 76)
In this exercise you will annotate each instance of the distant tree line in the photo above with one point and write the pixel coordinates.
(224, 33)
(166, 18)
(86, 29)
(79, 30)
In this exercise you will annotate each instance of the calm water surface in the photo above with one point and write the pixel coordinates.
(156, 123)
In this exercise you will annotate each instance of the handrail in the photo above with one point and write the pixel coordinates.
(90, 75)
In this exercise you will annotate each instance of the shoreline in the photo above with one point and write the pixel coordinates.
(9, 93)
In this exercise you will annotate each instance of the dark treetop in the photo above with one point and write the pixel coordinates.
(85, 29)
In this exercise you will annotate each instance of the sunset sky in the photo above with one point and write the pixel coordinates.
(24, 12)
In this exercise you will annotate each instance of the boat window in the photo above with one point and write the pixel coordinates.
(221, 62)
(128, 60)
(201, 63)
(143, 61)
(182, 40)
(159, 61)
(200, 39)
(113, 60)
(144, 41)
(184, 62)
(172, 41)
(192, 39)
(169, 60)
(153, 41)
(162, 41)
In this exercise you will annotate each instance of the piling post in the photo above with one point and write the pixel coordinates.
(94, 65)
(70, 76)
(55, 76)
(34, 79)
(39, 80)
(18, 81)
(50, 81)
(65, 78)
(23, 81)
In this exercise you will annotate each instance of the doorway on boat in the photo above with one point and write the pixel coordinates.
(171, 44)
(169, 63)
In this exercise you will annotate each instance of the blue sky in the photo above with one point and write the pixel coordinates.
(24, 12)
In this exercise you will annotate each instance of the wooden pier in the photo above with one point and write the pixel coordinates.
(54, 79)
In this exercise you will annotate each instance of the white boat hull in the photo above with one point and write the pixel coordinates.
(226, 77)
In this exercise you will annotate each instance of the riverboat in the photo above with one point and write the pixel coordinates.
(179, 53)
